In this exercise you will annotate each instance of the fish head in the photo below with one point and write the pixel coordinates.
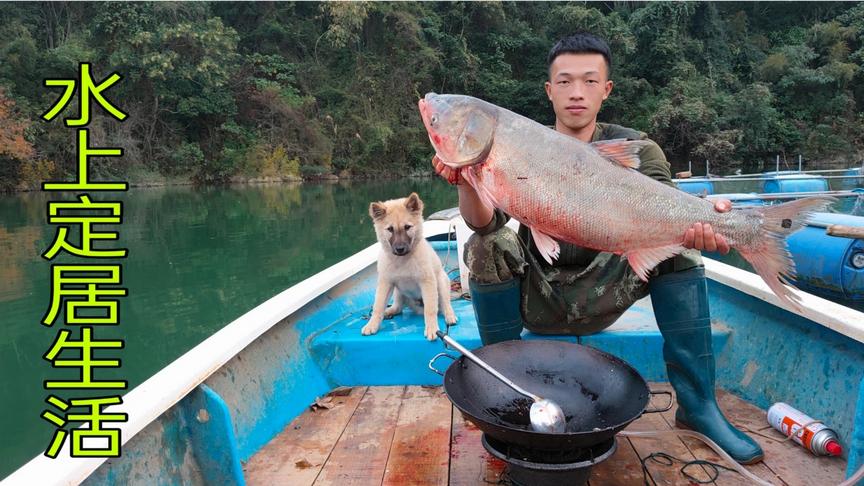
(461, 128)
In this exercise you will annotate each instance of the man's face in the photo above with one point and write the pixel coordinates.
(577, 86)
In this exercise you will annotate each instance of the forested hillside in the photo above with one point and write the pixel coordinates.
(221, 91)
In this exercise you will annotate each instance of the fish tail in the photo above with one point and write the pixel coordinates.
(769, 255)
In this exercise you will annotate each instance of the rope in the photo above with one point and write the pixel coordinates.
(713, 471)
(668, 460)
(450, 230)
(457, 280)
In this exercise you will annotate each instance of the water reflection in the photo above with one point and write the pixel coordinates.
(198, 259)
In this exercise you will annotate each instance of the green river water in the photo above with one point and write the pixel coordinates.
(198, 259)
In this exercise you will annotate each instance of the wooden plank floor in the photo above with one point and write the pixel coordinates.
(411, 435)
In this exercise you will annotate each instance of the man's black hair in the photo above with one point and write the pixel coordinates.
(581, 43)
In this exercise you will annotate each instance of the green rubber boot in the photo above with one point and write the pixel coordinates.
(680, 301)
(496, 307)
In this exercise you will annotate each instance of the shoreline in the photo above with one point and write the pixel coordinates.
(244, 181)
(334, 178)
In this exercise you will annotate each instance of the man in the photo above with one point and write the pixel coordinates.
(585, 291)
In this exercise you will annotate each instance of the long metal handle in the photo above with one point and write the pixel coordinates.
(447, 339)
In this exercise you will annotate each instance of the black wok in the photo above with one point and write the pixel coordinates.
(599, 393)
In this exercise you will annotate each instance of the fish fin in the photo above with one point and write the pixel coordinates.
(770, 257)
(482, 191)
(643, 260)
(621, 151)
(548, 247)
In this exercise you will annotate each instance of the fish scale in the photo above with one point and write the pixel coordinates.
(615, 188)
(592, 195)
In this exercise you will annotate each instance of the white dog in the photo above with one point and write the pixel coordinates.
(408, 267)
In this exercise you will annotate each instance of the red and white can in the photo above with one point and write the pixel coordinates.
(816, 437)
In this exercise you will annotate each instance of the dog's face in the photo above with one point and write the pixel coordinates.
(398, 223)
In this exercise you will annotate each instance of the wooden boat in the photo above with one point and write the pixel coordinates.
(291, 393)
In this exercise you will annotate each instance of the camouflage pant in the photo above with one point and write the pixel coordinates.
(564, 299)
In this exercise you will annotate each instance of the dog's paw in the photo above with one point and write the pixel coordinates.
(370, 328)
(392, 311)
(430, 332)
(450, 318)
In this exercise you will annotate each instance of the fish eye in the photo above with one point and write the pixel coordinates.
(433, 120)
(407, 227)
(390, 229)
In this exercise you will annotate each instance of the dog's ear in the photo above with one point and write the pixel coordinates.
(413, 203)
(377, 210)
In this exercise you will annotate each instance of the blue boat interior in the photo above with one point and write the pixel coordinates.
(764, 355)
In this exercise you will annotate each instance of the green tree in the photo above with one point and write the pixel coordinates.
(221, 89)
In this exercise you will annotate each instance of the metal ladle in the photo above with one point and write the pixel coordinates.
(546, 415)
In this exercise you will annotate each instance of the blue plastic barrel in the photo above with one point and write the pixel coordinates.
(775, 183)
(829, 265)
(696, 186)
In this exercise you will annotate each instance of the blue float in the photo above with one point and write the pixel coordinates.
(829, 265)
(784, 182)
(697, 186)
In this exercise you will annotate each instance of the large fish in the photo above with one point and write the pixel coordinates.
(590, 194)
